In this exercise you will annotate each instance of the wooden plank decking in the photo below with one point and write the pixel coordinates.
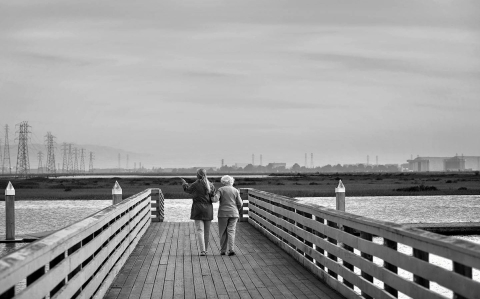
(166, 264)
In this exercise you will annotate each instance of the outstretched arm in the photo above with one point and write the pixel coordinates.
(187, 187)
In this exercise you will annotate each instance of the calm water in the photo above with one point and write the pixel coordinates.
(39, 216)
(154, 176)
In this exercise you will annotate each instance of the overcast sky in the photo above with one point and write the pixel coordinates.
(197, 81)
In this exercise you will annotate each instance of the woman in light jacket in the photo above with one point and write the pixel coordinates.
(228, 214)
(202, 210)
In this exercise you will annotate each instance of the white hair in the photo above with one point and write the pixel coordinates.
(227, 180)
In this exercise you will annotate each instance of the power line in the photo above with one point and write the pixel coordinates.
(50, 152)
(82, 160)
(23, 163)
(70, 159)
(6, 153)
(40, 164)
(65, 158)
(90, 164)
(75, 161)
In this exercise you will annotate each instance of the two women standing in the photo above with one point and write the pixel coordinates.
(203, 194)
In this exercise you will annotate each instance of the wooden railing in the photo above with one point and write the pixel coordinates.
(158, 205)
(340, 248)
(81, 260)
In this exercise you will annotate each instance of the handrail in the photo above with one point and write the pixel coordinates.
(318, 237)
(81, 259)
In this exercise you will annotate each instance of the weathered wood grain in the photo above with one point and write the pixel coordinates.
(300, 230)
(169, 266)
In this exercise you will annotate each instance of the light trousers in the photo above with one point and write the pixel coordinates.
(226, 230)
(202, 228)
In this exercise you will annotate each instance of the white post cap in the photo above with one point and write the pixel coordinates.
(340, 188)
(117, 189)
(9, 190)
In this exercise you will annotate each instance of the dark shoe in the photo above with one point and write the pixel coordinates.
(222, 252)
(230, 253)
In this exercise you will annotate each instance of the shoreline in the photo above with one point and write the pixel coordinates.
(291, 185)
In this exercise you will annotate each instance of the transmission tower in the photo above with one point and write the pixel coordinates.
(23, 163)
(70, 159)
(75, 160)
(82, 160)
(6, 154)
(90, 164)
(40, 164)
(311, 161)
(65, 158)
(50, 144)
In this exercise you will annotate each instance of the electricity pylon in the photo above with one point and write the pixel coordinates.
(82, 160)
(70, 159)
(65, 158)
(6, 154)
(40, 164)
(23, 163)
(90, 164)
(75, 160)
(50, 144)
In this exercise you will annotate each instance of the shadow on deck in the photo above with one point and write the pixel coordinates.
(166, 264)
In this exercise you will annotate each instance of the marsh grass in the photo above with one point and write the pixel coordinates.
(357, 184)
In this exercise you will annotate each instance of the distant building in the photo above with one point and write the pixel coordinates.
(456, 163)
(241, 165)
(277, 165)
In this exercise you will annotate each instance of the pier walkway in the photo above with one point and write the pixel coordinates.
(286, 249)
(166, 264)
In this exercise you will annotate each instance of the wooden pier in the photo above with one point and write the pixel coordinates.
(286, 249)
(166, 264)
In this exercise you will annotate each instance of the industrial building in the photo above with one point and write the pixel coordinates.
(455, 163)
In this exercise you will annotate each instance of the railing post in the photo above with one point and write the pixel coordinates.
(10, 212)
(244, 196)
(340, 205)
(369, 257)
(330, 255)
(422, 255)
(319, 249)
(462, 270)
(116, 193)
(159, 210)
(340, 196)
(393, 245)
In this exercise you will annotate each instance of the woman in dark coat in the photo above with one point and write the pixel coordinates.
(202, 210)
